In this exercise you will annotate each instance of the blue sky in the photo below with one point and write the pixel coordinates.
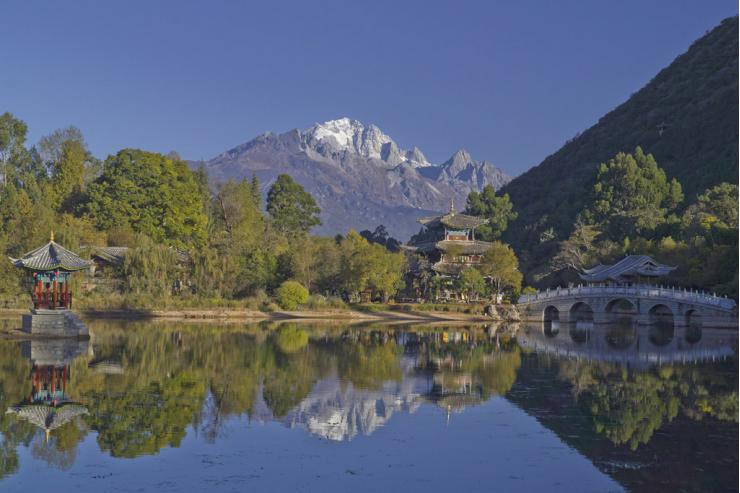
(509, 81)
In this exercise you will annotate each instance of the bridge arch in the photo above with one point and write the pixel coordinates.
(581, 312)
(660, 313)
(551, 314)
(620, 307)
(692, 317)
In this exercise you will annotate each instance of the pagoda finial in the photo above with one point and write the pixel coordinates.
(51, 236)
(452, 206)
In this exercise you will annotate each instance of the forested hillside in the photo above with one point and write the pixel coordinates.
(686, 117)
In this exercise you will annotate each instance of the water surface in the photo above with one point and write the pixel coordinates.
(153, 406)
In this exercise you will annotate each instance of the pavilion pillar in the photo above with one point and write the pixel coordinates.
(54, 293)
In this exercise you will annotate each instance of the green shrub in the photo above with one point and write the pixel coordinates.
(291, 294)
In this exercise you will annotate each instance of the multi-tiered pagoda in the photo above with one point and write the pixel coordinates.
(449, 242)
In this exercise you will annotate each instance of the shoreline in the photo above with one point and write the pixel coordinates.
(234, 315)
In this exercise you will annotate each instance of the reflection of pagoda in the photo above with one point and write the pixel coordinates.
(48, 405)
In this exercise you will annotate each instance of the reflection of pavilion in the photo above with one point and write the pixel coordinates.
(48, 405)
(629, 344)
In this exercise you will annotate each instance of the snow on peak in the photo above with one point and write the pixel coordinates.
(346, 134)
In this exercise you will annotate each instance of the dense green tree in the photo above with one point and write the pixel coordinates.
(153, 194)
(366, 266)
(12, 138)
(633, 195)
(236, 211)
(292, 210)
(498, 209)
(716, 207)
(471, 283)
(68, 174)
(501, 266)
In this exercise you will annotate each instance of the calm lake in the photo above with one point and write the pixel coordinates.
(155, 406)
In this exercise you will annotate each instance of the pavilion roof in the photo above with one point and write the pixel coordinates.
(629, 266)
(449, 268)
(454, 221)
(466, 247)
(46, 417)
(423, 247)
(51, 256)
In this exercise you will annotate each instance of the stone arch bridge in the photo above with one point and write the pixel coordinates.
(644, 304)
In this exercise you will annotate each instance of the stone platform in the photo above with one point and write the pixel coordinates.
(54, 323)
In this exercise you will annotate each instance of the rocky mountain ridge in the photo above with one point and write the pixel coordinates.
(359, 176)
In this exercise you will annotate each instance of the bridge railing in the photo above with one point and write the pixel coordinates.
(647, 291)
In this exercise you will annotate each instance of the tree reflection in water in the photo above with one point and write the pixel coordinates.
(144, 385)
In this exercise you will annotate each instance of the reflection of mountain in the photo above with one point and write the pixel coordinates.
(339, 411)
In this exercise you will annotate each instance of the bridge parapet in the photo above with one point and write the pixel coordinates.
(639, 291)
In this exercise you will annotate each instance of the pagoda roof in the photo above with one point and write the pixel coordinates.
(467, 247)
(449, 268)
(424, 247)
(629, 266)
(51, 256)
(454, 221)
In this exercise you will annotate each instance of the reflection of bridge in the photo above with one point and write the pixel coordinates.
(630, 344)
(602, 304)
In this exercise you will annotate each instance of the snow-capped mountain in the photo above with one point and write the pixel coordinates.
(345, 135)
(359, 176)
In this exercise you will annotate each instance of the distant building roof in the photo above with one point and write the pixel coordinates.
(630, 266)
(112, 255)
(51, 256)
